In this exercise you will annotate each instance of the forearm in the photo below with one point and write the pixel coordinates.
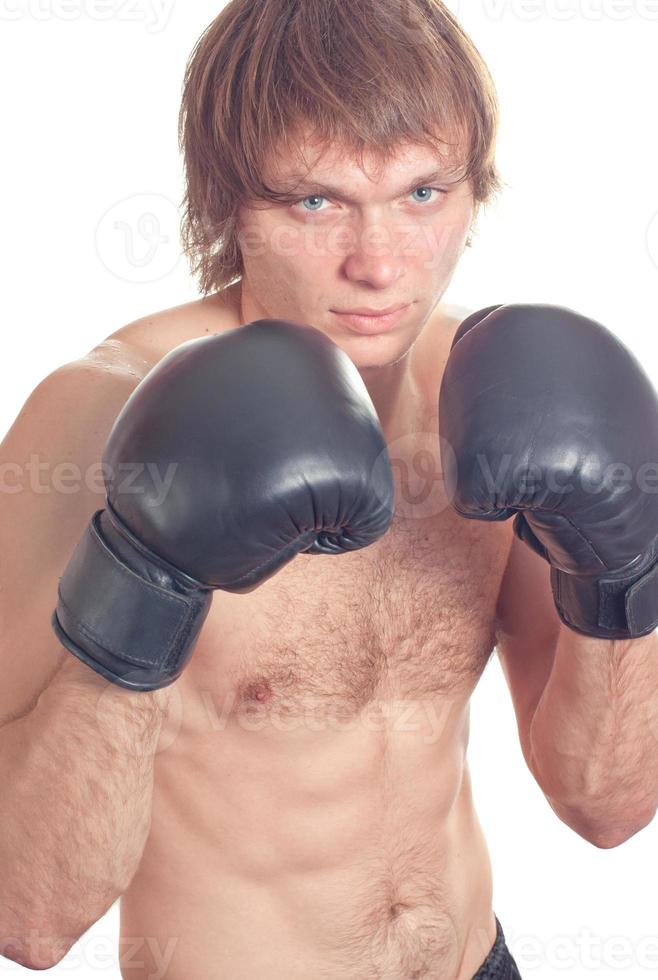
(594, 733)
(79, 773)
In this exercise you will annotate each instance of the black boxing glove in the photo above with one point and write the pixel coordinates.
(551, 418)
(235, 453)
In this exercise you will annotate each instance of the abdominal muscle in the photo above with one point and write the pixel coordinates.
(326, 847)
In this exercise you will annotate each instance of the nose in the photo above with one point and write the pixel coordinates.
(375, 257)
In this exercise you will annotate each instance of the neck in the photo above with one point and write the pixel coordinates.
(395, 395)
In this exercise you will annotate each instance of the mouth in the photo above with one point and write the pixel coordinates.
(365, 321)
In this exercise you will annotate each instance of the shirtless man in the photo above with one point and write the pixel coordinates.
(296, 801)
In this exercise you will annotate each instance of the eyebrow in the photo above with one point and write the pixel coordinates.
(330, 191)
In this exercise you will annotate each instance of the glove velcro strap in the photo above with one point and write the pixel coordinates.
(608, 608)
(137, 633)
(642, 604)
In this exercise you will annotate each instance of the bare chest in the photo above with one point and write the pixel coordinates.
(410, 617)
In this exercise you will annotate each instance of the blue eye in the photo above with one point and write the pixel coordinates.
(318, 199)
(426, 189)
(312, 197)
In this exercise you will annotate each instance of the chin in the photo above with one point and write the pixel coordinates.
(378, 351)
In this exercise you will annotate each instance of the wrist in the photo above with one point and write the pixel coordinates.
(127, 723)
(76, 677)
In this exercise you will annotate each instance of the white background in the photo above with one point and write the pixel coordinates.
(90, 99)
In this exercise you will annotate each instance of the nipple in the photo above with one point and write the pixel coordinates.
(257, 691)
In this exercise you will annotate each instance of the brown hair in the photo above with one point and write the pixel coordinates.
(364, 75)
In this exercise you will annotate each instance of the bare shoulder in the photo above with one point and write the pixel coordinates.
(141, 344)
(50, 459)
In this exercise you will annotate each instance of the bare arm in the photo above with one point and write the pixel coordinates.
(587, 710)
(594, 735)
(79, 773)
(76, 754)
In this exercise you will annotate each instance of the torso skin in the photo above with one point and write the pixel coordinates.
(313, 816)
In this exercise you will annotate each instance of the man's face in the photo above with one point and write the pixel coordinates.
(357, 240)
